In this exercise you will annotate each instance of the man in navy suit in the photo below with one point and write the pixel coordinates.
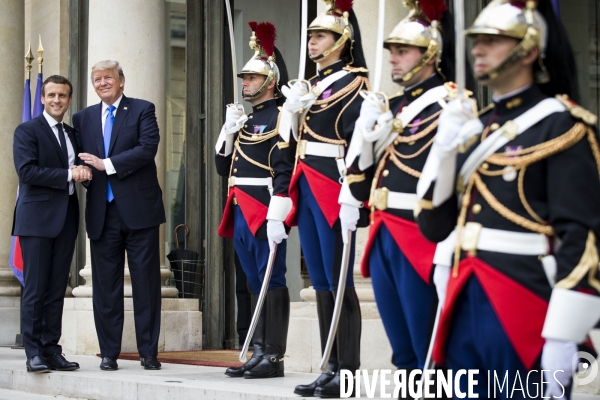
(119, 139)
(46, 220)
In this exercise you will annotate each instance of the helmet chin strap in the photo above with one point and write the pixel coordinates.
(429, 53)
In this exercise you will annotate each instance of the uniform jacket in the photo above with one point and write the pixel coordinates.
(257, 143)
(559, 190)
(41, 208)
(332, 117)
(399, 171)
(133, 146)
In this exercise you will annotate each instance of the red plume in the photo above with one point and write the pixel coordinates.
(344, 5)
(266, 33)
(433, 9)
(252, 26)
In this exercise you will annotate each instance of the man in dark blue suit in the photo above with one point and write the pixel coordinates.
(46, 219)
(119, 139)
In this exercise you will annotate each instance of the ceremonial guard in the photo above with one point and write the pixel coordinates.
(519, 186)
(324, 111)
(394, 136)
(250, 151)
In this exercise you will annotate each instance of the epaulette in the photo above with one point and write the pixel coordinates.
(486, 109)
(577, 111)
(355, 70)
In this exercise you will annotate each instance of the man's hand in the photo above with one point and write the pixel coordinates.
(81, 173)
(92, 160)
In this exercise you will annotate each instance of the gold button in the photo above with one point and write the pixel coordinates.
(395, 143)
(411, 143)
(386, 172)
(494, 126)
(485, 165)
(245, 126)
(307, 117)
(323, 105)
(235, 170)
(476, 208)
(250, 117)
(237, 158)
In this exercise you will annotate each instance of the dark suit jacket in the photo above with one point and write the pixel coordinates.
(133, 146)
(41, 208)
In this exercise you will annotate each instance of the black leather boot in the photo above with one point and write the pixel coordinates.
(325, 304)
(348, 344)
(277, 311)
(258, 343)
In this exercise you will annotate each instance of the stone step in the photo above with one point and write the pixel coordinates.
(6, 394)
(131, 382)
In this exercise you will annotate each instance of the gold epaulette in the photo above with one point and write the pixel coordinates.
(577, 111)
(354, 70)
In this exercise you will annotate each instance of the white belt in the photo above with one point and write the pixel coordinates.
(336, 151)
(236, 181)
(383, 199)
(321, 149)
(476, 237)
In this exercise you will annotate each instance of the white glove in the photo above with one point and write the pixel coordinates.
(275, 232)
(293, 94)
(441, 275)
(349, 216)
(452, 118)
(233, 114)
(369, 113)
(558, 355)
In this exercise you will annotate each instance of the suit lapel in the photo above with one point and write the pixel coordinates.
(52, 137)
(96, 118)
(122, 112)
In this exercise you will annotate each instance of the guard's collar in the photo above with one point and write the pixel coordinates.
(333, 68)
(523, 99)
(264, 105)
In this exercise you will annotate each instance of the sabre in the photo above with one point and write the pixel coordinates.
(232, 43)
(259, 303)
(303, 27)
(459, 22)
(338, 302)
(429, 363)
(379, 48)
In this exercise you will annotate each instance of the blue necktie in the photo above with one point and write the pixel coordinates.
(108, 125)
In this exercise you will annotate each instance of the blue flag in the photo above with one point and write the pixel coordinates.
(38, 107)
(15, 259)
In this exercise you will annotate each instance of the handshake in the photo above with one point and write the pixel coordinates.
(81, 173)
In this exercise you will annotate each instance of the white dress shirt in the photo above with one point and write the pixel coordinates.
(108, 165)
(70, 151)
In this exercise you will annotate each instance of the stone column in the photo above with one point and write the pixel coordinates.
(12, 81)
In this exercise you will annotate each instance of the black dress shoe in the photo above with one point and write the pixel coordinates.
(59, 363)
(108, 364)
(37, 364)
(150, 362)
(323, 379)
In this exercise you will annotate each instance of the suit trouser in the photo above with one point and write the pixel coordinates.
(405, 302)
(46, 265)
(322, 245)
(108, 265)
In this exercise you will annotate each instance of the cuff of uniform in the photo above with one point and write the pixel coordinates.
(224, 146)
(346, 196)
(279, 208)
(108, 165)
(571, 315)
(69, 175)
